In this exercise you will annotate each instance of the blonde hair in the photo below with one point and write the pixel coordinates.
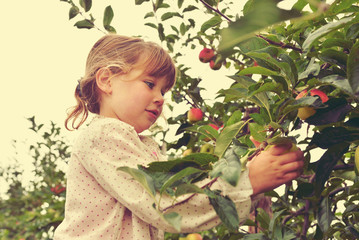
(119, 54)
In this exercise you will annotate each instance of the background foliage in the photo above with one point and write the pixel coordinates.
(273, 55)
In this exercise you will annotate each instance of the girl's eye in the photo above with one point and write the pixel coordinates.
(150, 84)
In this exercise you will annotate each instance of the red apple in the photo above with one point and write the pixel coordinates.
(306, 112)
(255, 64)
(206, 55)
(215, 127)
(194, 115)
(194, 236)
(302, 94)
(322, 95)
(214, 65)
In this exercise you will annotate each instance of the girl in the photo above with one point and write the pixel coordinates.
(124, 84)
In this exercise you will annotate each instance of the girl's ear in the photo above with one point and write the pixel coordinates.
(103, 76)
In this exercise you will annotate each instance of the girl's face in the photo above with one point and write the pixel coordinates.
(134, 98)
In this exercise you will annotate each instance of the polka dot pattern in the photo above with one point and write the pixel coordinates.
(105, 203)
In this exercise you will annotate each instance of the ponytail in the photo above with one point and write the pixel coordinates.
(86, 102)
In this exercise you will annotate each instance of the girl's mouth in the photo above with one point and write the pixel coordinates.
(154, 113)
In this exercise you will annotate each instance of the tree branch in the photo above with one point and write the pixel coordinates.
(215, 10)
(209, 184)
(281, 44)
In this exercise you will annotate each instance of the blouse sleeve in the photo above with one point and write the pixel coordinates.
(113, 144)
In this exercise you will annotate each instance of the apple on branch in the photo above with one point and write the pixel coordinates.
(207, 148)
(194, 236)
(206, 55)
(306, 112)
(194, 115)
(215, 64)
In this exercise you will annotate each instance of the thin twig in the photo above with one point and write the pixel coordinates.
(209, 184)
(281, 44)
(215, 10)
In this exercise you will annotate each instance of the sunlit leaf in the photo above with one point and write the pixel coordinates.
(178, 176)
(228, 168)
(140, 176)
(226, 137)
(331, 26)
(174, 219)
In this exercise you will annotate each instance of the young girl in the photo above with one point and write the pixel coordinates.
(124, 84)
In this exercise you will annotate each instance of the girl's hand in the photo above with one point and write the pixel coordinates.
(274, 167)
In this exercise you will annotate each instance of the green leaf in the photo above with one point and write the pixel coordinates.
(169, 15)
(339, 82)
(332, 26)
(86, 4)
(139, 2)
(353, 69)
(225, 209)
(152, 25)
(269, 87)
(180, 3)
(234, 118)
(178, 176)
(325, 215)
(228, 168)
(257, 131)
(84, 24)
(149, 14)
(258, 70)
(197, 160)
(205, 130)
(226, 137)
(183, 29)
(302, 102)
(144, 179)
(263, 218)
(214, 21)
(108, 16)
(334, 57)
(252, 44)
(244, 82)
(189, 8)
(326, 163)
(73, 12)
(160, 30)
(186, 189)
(174, 219)
(284, 67)
(313, 68)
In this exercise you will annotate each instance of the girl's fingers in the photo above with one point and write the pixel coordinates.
(279, 149)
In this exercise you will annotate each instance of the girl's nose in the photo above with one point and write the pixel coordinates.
(159, 99)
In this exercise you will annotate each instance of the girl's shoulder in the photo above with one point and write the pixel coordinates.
(104, 127)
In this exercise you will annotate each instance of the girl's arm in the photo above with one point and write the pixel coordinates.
(112, 144)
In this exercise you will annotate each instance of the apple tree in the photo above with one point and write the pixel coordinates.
(33, 209)
(294, 76)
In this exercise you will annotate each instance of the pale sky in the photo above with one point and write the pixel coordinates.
(43, 55)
